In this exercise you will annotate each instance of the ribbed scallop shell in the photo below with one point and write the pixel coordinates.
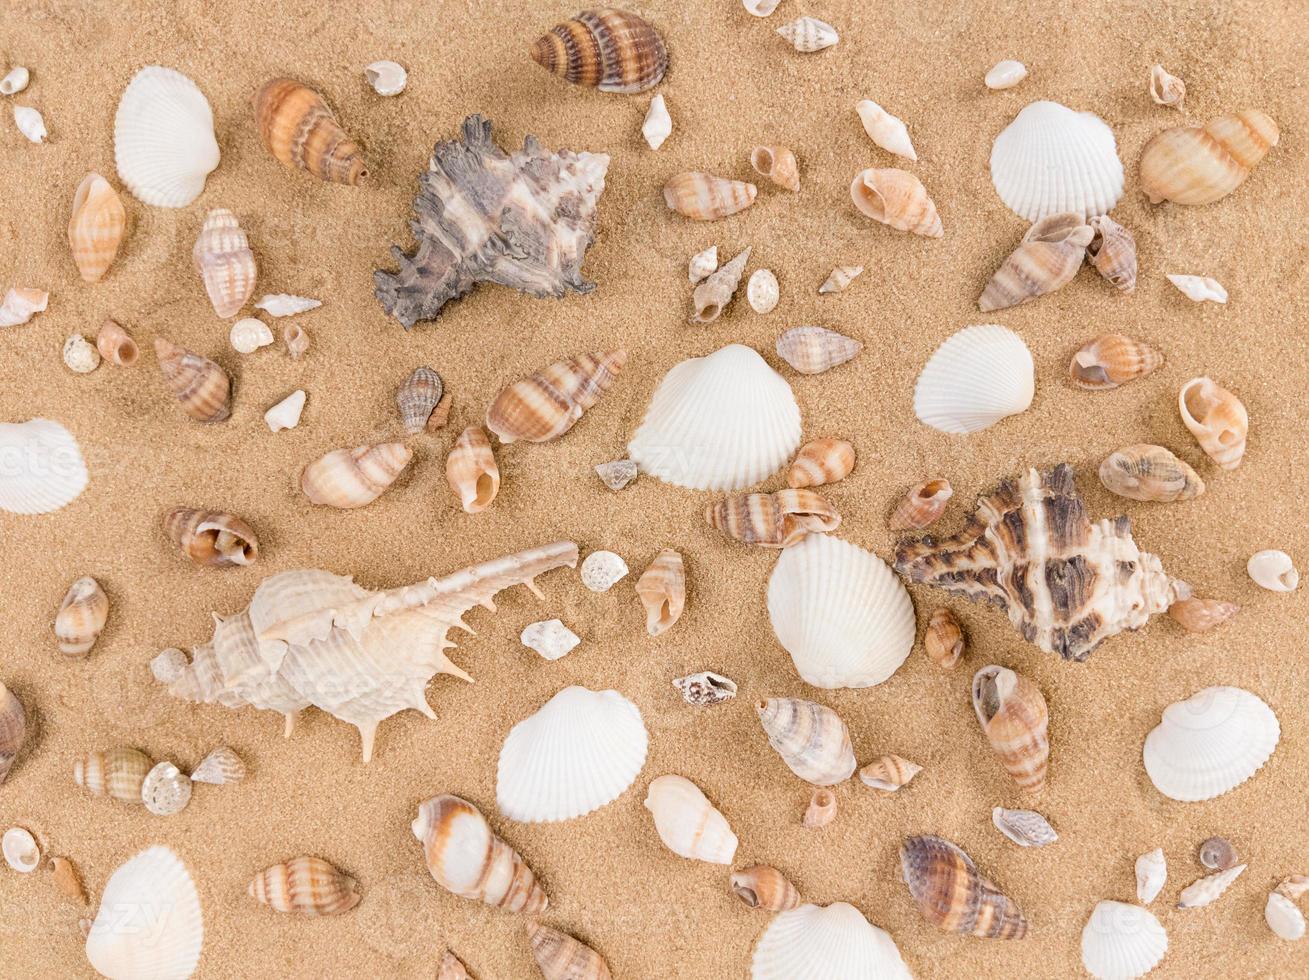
(835, 942)
(1052, 159)
(1210, 743)
(349, 478)
(305, 885)
(977, 377)
(1199, 165)
(687, 822)
(840, 612)
(43, 468)
(149, 926)
(96, 227)
(580, 750)
(1122, 942)
(300, 130)
(81, 617)
(721, 422)
(811, 739)
(612, 50)
(164, 144)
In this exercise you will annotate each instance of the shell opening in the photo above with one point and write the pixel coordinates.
(762, 159)
(485, 490)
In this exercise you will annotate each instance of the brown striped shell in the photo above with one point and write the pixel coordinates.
(96, 227)
(772, 520)
(300, 131)
(200, 386)
(811, 739)
(211, 538)
(705, 197)
(117, 773)
(820, 462)
(896, 198)
(13, 729)
(889, 773)
(922, 505)
(224, 262)
(662, 590)
(1014, 717)
(1112, 252)
(763, 887)
(951, 893)
(944, 640)
(1110, 360)
(1047, 259)
(813, 350)
(1149, 473)
(471, 470)
(1202, 164)
(418, 397)
(561, 957)
(348, 478)
(546, 404)
(305, 885)
(612, 50)
(81, 617)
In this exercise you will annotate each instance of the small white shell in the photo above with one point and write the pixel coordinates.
(1026, 828)
(164, 144)
(617, 473)
(1206, 890)
(688, 823)
(760, 8)
(977, 377)
(1151, 873)
(20, 850)
(884, 129)
(658, 125)
(835, 942)
(808, 34)
(220, 767)
(283, 304)
(80, 355)
(30, 123)
(166, 790)
(249, 334)
(1199, 288)
(21, 304)
(702, 264)
(1273, 570)
(602, 570)
(15, 81)
(762, 291)
(43, 468)
(550, 638)
(286, 413)
(386, 77)
(840, 278)
(1284, 917)
(1005, 74)
(1210, 743)
(1122, 942)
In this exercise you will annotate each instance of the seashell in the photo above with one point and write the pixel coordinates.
(1210, 743)
(165, 790)
(300, 131)
(896, 198)
(200, 386)
(249, 334)
(164, 144)
(922, 505)
(20, 850)
(43, 467)
(21, 304)
(1151, 874)
(1014, 718)
(760, 8)
(418, 397)
(718, 289)
(1110, 360)
(546, 404)
(778, 164)
(808, 34)
(612, 50)
(834, 942)
(762, 291)
(658, 124)
(944, 640)
(1293, 887)
(811, 739)
(617, 474)
(466, 857)
(1047, 259)
(1005, 74)
(1051, 159)
(1026, 828)
(349, 478)
(305, 885)
(16, 80)
(286, 413)
(225, 264)
(471, 470)
(220, 767)
(81, 617)
(702, 264)
(386, 77)
(705, 197)
(821, 810)
(79, 356)
(687, 822)
(1199, 288)
(1166, 89)
(550, 638)
(1150, 473)
(813, 350)
(296, 340)
(440, 414)
(662, 590)
(1216, 418)
(602, 570)
(889, 773)
(30, 123)
(96, 227)
(763, 887)
(721, 422)
(1217, 853)
(67, 881)
(951, 893)
(820, 462)
(840, 612)
(772, 520)
(1199, 615)
(839, 280)
(149, 923)
(1284, 917)
(211, 538)
(13, 730)
(977, 377)
(884, 129)
(561, 957)
(283, 304)
(116, 345)
(117, 773)
(1200, 165)
(1112, 252)
(581, 750)
(1207, 890)
(1122, 942)
(705, 688)
(450, 968)
(1273, 570)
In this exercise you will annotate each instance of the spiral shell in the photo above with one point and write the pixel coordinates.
(820, 462)
(896, 198)
(1166, 89)
(1110, 360)
(561, 957)
(821, 810)
(116, 345)
(1216, 418)
(1200, 165)
(688, 824)
(712, 295)
(808, 34)
(223, 259)
(952, 894)
(296, 340)
(81, 617)
(13, 730)
(662, 590)
(1047, 259)
(889, 773)
(305, 885)
(200, 386)
(813, 350)
(1026, 828)
(471, 470)
(348, 478)
(763, 887)
(1112, 252)
(1151, 473)
(944, 640)
(248, 334)
(300, 131)
(211, 538)
(96, 227)
(79, 356)
(612, 50)
(117, 773)
(705, 197)
(418, 397)
(922, 505)
(777, 164)
(1013, 715)
(1198, 615)
(811, 739)
(546, 404)
(772, 520)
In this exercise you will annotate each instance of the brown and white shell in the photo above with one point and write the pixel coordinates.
(1216, 418)
(811, 739)
(116, 345)
(772, 520)
(761, 886)
(662, 590)
(471, 470)
(348, 478)
(1110, 360)
(81, 617)
(418, 397)
(300, 130)
(211, 538)
(889, 773)
(1047, 259)
(952, 894)
(546, 404)
(1203, 164)
(117, 773)
(1198, 615)
(777, 164)
(819, 462)
(1112, 252)
(13, 730)
(200, 386)
(224, 262)
(1015, 719)
(705, 197)
(896, 198)
(612, 50)
(944, 639)
(561, 957)
(922, 505)
(713, 295)
(96, 227)
(305, 885)
(1149, 473)
(813, 350)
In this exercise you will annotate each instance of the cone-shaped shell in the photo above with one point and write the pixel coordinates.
(1216, 418)
(149, 926)
(952, 894)
(81, 617)
(13, 730)
(687, 822)
(300, 131)
(712, 295)
(116, 345)
(348, 478)
(811, 739)
(773, 520)
(1026, 828)
(1202, 164)
(764, 887)
(944, 640)
(835, 942)
(1198, 615)
(1210, 743)
(809, 34)
(884, 129)
(417, 397)
(1047, 259)
(546, 404)
(224, 262)
(220, 767)
(840, 612)
(306, 886)
(977, 377)
(200, 386)
(471, 470)
(96, 227)
(1151, 473)
(889, 773)
(922, 505)
(896, 198)
(561, 957)
(1113, 252)
(1014, 717)
(466, 857)
(705, 197)
(1122, 942)
(612, 50)
(164, 144)
(1110, 360)
(813, 350)
(777, 163)
(117, 773)
(820, 462)
(211, 538)
(662, 590)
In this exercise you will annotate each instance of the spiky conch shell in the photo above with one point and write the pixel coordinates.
(612, 50)
(835, 942)
(952, 894)
(1030, 545)
(309, 637)
(548, 402)
(1202, 164)
(300, 131)
(305, 885)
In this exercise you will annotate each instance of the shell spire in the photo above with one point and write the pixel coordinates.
(1014, 716)
(546, 404)
(300, 131)
(1203, 164)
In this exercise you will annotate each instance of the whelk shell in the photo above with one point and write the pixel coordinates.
(117, 773)
(220, 767)
(1198, 615)
(200, 386)
(79, 356)
(20, 850)
(286, 413)
(617, 473)
(712, 295)
(248, 334)
(762, 291)
(687, 823)
(772, 520)
(702, 264)
(386, 77)
(300, 131)
(30, 123)
(1110, 360)
(977, 377)
(1150, 473)
(550, 638)
(705, 688)
(1122, 942)
(1210, 743)
(922, 505)
(658, 124)
(305, 885)
(349, 478)
(821, 810)
(778, 164)
(1218, 854)
(1047, 259)
(944, 640)
(561, 957)
(820, 462)
(612, 50)
(952, 894)
(211, 538)
(1113, 252)
(840, 278)
(1273, 570)
(417, 397)
(96, 227)
(834, 942)
(1216, 418)
(13, 730)
(808, 34)
(813, 350)
(165, 790)
(1200, 165)
(884, 129)
(811, 739)
(889, 773)
(1204, 891)
(471, 470)
(67, 881)
(763, 887)
(81, 617)
(760, 8)
(546, 404)
(662, 590)
(1199, 289)
(1284, 917)
(1005, 74)
(602, 570)
(116, 345)
(1013, 715)
(1151, 874)
(16, 79)
(705, 197)
(1026, 828)
(164, 144)
(21, 303)
(1166, 89)
(223, 259)
(896, 198)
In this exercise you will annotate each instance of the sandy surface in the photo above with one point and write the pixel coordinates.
(732, 83)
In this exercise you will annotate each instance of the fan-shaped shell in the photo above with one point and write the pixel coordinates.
(43, 468)
(977, 377)
(1052, 159)
(687, 822)
(164, 144)
(835, 942)
(580, 750)
(1122, 942)
(721, 422)
(840, 612)
(1210, 743)
(96, 227)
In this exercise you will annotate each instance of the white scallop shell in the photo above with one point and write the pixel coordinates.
(1051, 159)
(840, 612)
(658, 125)
(149, 926)
(581, 750)
(1284, 917)
(835, 942)
(688, 823)
(1151, 873)
(762, 291)
(386, 77)
(976, 377)
(1005, 74)
(286, 413)
(30, 123)
(20, 850)
(721, 422)
(164, 143)
(248, 334)
(1198, 289)
(1210, 743)
(284, 304)
(1121, 942)
(41, 467)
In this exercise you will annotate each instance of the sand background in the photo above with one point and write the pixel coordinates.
(732, 83)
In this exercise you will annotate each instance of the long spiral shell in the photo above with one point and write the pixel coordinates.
(348, 478)
(545, 405)
(561, 957)
(951, 894)
(96, 227)
(1202, 164)
(300, 130)
(772, 520)
(1013, 715)
(705, 197)
(224, 262)
(612, 50)
(1047, 259)
(305, 885)
(200, 386)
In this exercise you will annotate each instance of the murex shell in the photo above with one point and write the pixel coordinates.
(1066, 583)
(835, 942)
(546, 404)
(811, 739)
(300, 131)
(43, 470)
(951, 893)
(1122, 942)
(309, 637)
(164, 144)
(1202, 164)
(687, 822)
(612, 50)
(977, 377)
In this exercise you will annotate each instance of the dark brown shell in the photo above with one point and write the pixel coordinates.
(612, 50)
(951, 894)
(300, 131)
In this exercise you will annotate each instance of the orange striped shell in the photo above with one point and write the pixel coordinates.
(307, 885)
(1013, 714)
(772, 520)
(1199, 165)
(545, 405)
(300, 130)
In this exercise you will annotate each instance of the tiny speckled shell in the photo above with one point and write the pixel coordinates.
(601, 570)
(762, 291)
